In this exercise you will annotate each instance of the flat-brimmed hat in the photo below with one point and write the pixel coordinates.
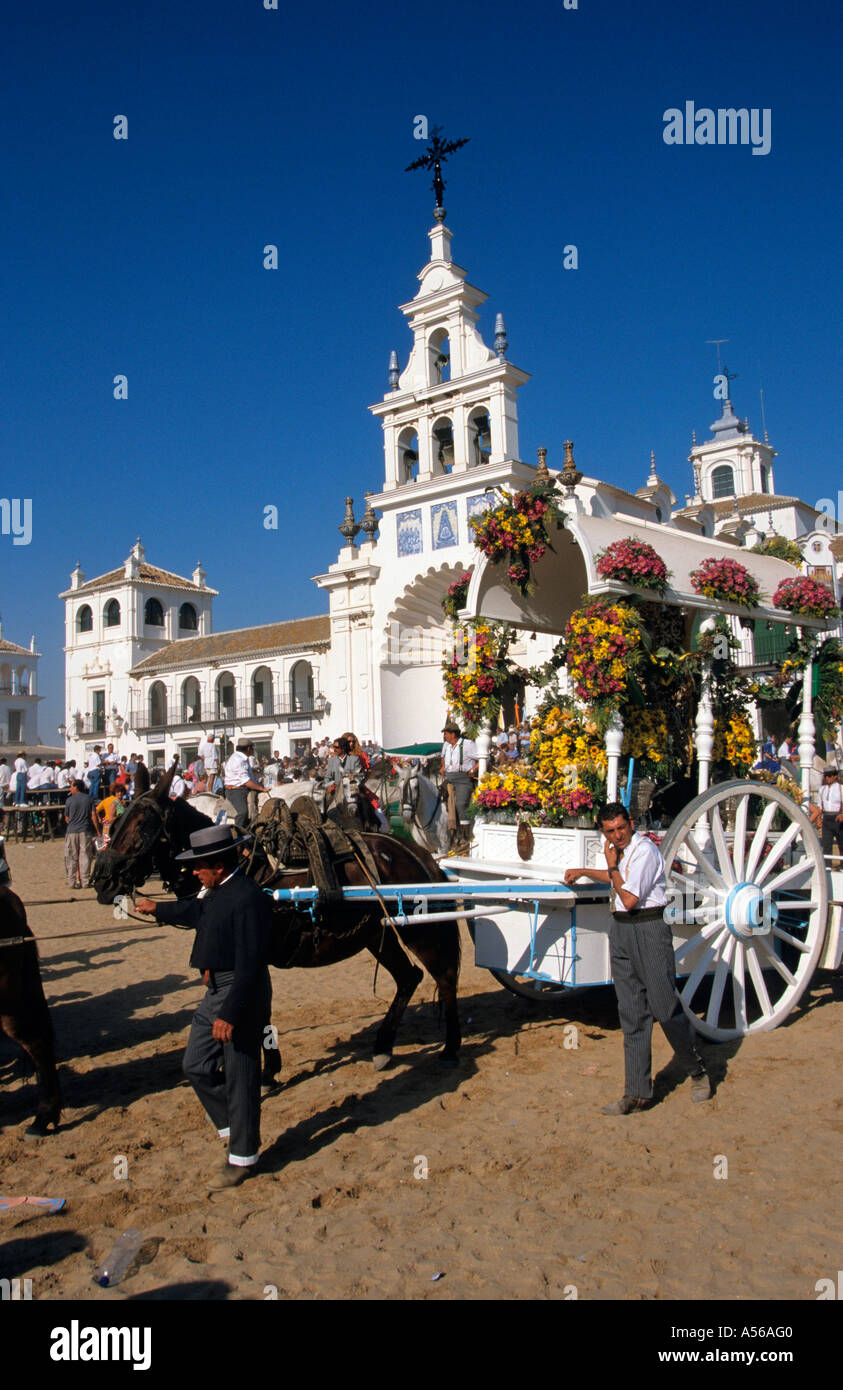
(243, 743)
(211, 842)
(829, 772)
(451, 728)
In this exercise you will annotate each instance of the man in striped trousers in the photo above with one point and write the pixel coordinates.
(641, 951)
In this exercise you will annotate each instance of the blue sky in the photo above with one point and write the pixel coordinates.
(249, 387)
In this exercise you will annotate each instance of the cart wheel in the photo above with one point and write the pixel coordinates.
(748, 906)
(534, 990)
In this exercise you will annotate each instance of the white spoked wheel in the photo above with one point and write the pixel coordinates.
(747, 905)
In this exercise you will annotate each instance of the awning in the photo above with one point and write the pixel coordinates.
(568, 572)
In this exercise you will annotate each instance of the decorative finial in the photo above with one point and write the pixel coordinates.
(433, 158)
(654, 477)
(349, 526)
(693, 439)
(368, 521)
(501, 344)
(393, 370)
(542, 474)
(570, 474)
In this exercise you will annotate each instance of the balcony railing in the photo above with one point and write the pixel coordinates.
(242, 712)
(92, 724)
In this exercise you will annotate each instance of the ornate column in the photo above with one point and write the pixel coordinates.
(614, 743)
(807, 746)
(484, 744)
(705, 717)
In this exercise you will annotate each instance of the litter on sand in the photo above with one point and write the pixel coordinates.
(52, 1204)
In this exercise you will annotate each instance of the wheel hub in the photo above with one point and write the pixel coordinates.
(749, 911)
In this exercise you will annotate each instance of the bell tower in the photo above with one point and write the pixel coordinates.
(453, 407)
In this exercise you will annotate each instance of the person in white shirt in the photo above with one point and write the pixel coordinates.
(93, 772)
(239, 782)
(21, 770)
(208, 754)
(178, 786)
(641, 952)
(828, 815)
(459, 761)
(33, 777)
(5, 780)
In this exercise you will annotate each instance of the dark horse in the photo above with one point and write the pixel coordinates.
(154, 830)
(23, 1007)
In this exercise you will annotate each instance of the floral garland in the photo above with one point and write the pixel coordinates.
(734, 744)
(645, 738)
(566, 774)
(726, 580)
(474, 672)
(602, 641)
(806, 597)
(454, 600)
(781, 549)
(633, 562)
(516, 531)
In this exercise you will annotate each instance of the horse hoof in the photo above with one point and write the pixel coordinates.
(381, 1060)
(37, 1130)
(449, 1062)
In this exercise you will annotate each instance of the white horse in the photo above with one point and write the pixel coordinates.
(220, 810)
(424, 808)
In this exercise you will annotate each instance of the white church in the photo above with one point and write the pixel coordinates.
(146, 671)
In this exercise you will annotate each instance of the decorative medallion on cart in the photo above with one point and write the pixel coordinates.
(444, 524)
(410, 532)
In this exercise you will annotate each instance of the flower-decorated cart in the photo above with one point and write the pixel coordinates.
(652, 672)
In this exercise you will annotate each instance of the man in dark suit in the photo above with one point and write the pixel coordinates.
(233, 922)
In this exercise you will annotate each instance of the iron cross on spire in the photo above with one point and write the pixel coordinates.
(433, 158)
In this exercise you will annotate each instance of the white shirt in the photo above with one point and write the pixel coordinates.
(237, 770)
(20, 765)
(460, 756)
(63, 778)
(642, 870)
(177, 787)
(94, 761)
(208, 754)
(831, 798)
(5, 774)
(270, 775)
(33, 780)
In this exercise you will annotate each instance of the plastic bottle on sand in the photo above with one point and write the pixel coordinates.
(119, 1259)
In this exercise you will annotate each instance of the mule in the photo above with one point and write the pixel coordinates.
(424, 809)
(154, 830)
(24, 1015)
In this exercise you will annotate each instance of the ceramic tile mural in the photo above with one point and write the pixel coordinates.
(444, 524)
(410, 532)
(477, 504)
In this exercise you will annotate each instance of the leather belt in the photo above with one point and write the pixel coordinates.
(646, 914)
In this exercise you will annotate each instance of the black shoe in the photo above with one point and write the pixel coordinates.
(627, 1105)
(231, 1175)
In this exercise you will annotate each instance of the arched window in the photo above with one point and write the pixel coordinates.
(439, 357)
(158, 705)
(191, 701)
(153, 613)
(262, 691)
(187, 618)
(111, 613)
(85, 619)
(723, 481)
(765, 481)
(301, 686)
(226, 688)
(408, 455)
(479, 437)
(442, 445)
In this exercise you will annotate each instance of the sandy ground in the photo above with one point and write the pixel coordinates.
(529, 1189)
